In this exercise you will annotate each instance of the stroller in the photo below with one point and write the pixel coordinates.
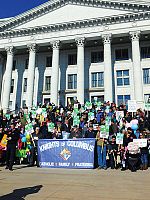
(133, 156)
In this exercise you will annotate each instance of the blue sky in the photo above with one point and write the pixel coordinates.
(10, 8)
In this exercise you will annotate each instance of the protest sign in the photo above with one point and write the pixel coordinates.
(29, 128)
(66, 153)
(119, 115)
(76, 120)
(33, 114)
(107, 109)
(51, 127)
(104, 133)
(132, 106)
(108, 121)
(90, 116)
(140, 142)
(44, 113)
(119, 138)
(88, 105)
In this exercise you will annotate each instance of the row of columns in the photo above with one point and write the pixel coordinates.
(108, 84)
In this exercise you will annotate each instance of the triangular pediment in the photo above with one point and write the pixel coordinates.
(58, 11)
(70, 13)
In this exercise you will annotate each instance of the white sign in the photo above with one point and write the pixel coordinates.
(119, 115)
(140, 142)
(132, 106)
(119, 138)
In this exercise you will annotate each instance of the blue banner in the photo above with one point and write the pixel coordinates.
(77, 153)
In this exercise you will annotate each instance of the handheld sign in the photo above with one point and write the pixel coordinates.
(119, 138)
(132, 106)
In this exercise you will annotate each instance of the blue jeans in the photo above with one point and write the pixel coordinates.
(101, 156)
(144, 158)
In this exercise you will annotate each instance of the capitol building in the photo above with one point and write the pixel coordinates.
(76, 49)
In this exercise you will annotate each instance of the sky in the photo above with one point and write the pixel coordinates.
(10, 8)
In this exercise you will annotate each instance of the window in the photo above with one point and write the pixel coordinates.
(47, 83)
(72, 81)
(97, 79)
(145, 52)
(123, 77)
(97, 57)
(46, 100)
(10, 105)
(121, 54)
(23, 103)
(26, 63)
(25, 85)
(14, 65)
(147, 98)
(49, 61)
(123, 99)
(12, 86)
(72, 59)
(146, 76)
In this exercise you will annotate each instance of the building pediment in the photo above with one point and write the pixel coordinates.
(65, 14)
(71, 13)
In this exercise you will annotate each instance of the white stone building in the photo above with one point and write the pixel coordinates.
(76, 48)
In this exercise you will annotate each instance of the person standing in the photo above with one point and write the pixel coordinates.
(113, 148)
(12, 139)
(101, 150)
(33, 151)
(144, 155)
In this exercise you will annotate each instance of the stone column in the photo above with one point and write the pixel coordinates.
(31, 74)
(7, 78)
(80, 70)
(108, 91)
(55, 72)
(137, 72)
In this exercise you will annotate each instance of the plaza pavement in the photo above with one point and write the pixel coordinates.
(72, 184)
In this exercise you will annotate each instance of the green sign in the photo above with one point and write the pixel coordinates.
(76, 120)
(51, 126)
(104, 132)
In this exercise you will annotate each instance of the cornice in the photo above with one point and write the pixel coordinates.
(132, 17)
(55, 4)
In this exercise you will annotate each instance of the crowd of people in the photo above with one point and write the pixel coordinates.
(114, 129)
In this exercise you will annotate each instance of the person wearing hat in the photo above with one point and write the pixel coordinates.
(12, 138)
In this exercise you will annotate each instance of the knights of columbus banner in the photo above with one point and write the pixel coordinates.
(77, 153)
